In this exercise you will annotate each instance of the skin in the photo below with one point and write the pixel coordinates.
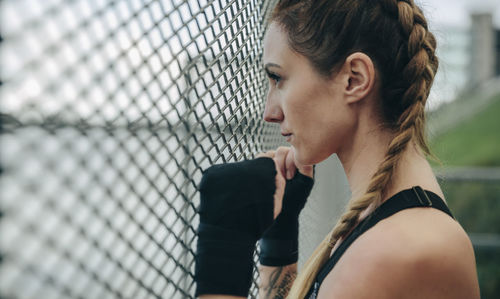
(416, 253)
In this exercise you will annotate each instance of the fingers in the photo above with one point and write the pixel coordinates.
(290, 165)
(284, 157)
(268, 154)
(279, 180)
(279, 193)
(307, 170)
(280, 158)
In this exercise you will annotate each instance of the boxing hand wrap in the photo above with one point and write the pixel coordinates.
(236, 207)
(280, 243)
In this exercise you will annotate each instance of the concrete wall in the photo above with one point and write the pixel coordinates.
(325, 205)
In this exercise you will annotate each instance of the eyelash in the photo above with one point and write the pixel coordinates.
(274, 77)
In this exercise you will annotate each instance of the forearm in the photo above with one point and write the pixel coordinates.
(275, 282)
(220, 297)
(227, 232)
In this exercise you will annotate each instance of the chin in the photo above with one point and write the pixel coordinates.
(307, 157)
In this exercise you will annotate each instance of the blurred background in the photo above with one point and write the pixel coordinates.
(109, 110)
(464, 125)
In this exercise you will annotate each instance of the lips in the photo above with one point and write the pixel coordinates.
(288, 136)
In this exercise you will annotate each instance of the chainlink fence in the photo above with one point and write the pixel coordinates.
(109, 112)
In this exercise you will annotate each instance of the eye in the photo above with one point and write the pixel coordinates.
(274, 77)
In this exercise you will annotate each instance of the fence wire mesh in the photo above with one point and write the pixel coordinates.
(109, 112)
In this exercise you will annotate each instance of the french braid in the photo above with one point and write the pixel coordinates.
(407, 63)
(420, 70)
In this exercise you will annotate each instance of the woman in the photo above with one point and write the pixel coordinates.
(349, 77)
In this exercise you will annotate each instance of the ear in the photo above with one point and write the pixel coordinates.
(359, 76)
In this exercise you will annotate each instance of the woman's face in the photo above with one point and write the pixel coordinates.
(307, 105)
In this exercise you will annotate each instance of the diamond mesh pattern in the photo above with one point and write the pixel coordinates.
(109, 112)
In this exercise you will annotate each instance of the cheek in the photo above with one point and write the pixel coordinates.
(301, 105)
(315, 147)
(340, 126)
(318, 118)
(325, 129)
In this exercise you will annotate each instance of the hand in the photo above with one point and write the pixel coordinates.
(279, 181)
(237, 205)
(284, 157)
(279, 244)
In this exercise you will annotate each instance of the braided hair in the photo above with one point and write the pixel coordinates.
(395, 35)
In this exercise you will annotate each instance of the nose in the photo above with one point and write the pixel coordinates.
(272, 112)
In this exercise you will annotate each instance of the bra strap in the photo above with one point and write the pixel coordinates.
(414, 197)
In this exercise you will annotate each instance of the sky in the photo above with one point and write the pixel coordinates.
(456, 12)
(449, 20)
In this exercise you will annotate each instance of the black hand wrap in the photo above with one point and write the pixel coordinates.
(279, 245)
(237, 202)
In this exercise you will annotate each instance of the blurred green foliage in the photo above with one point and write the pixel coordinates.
(475, 142)
(476, 205)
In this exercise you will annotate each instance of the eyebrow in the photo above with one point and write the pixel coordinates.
(270, 64)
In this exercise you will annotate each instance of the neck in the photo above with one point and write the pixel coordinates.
(363, 156)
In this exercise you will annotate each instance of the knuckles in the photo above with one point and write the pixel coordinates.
(282, 150)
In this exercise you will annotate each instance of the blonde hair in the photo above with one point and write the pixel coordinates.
(395, 35)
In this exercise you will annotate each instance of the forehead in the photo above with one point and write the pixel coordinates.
(278, 51)
(276, 48)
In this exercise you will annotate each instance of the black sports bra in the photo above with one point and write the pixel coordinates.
(415, 197)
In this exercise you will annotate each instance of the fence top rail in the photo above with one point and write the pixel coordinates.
(484, 174)
(485, 241)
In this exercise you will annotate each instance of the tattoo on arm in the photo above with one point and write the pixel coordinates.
(279, 283)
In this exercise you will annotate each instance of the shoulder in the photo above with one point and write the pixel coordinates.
(416, 253)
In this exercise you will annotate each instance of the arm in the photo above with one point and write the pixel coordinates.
(233, 216)
(220, 297)
(228, 230)
(275, 282)
(279, 244)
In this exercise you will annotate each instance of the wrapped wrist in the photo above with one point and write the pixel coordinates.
(223, 261)
(279, 244)
(236, 207)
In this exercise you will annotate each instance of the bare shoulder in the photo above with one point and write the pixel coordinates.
(416, 253)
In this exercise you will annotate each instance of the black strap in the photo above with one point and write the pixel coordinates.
(415, 197)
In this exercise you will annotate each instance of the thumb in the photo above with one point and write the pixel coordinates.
(307, 170)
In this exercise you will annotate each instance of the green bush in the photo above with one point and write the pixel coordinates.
(475, 142)
(476, 205)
